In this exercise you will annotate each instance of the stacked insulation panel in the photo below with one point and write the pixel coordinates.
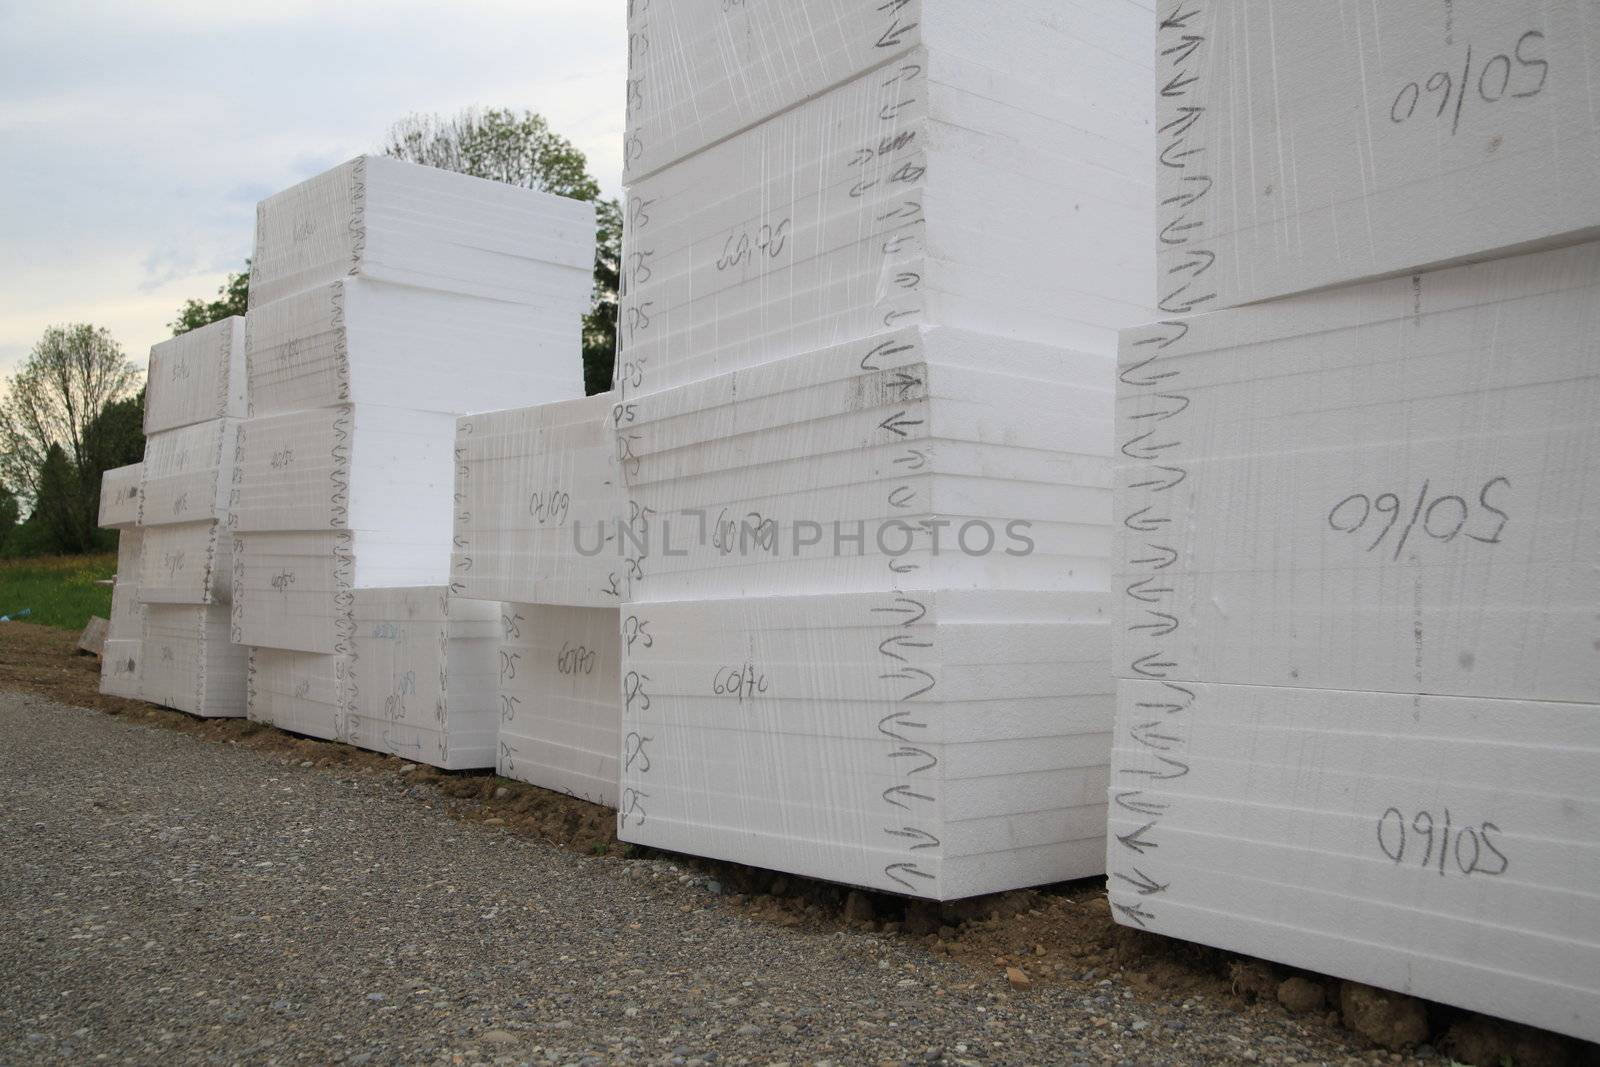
(189, 663)
(302, 692)
(387, 299)
(1358, 645)
(121, 657)
(865, 421)
(560, 709)
(539, 499)
(872, 205)
(419, 681)
(537, 496)
(194, 399)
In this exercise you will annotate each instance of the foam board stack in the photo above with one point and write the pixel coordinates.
(935, 743)
(559, 705)
(1442, 135)
(301, 692)
(932, 467)
(871, 205)
(1357, 723)
(538, 494)
(864, 417)
(537, 507)
(119, 499)
(424, 669)
(119, 510)
(189, 663)
(194, 398)
(386, 300)
(420, 681)
(188, 473)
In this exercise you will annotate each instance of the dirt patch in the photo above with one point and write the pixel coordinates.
(1485, 1042)
(1059, 935)
(46, 661)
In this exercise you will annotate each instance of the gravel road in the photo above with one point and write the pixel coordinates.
(166, 899)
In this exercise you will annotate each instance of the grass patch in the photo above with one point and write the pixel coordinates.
(60, 590)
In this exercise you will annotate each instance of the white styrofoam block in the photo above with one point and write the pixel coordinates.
(354, 467)
(872, 207)
(130, 551)
(127, 612)
(699, 70)
(188, 662)
(388, 220)
(1445, 847)
(1392, 486)
(939, 744)
(186, 563)
(560, 699)
(292, 590)
(196, 376)
(422, 676)
(367, 342)
(120, 667)
(301, 692)
(809, 475)
(119, 660)
(119, 497)
(529, 483)
(188, 473)
(1300, 149)
(418, 680)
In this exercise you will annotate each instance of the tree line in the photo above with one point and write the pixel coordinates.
(75, 407)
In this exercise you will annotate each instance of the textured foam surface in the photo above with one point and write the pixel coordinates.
(1300, 150)
(940, 744)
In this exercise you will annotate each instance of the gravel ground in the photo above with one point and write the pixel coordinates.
(169, 899)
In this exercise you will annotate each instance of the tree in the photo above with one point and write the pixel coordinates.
(600, 325)
(52, 433)
(66, 505)
(232, 299)
(522, 150)
(10, 511)
(60, 505)
(499, 145)
(115, 438)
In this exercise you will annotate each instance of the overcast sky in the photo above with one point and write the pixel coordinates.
(137, 136)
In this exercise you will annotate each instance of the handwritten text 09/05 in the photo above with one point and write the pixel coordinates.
(1443, 517)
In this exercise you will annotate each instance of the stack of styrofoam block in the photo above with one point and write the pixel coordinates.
(193, 401)
(188, 472)
(384, 220)
(119, 500)
(1359, 643)
(874, 204)
(302, 692)
(875, 262)
(334, 499)
(419, 681)
(938, 743)
(932, 468)
(386, 300)
(539, 501)
(560, 708)
(119, 510)
(424, 668)
(537, 496)
(189, 663)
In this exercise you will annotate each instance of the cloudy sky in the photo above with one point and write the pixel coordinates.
(137, 136)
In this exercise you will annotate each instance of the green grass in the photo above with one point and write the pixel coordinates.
(59, 589)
